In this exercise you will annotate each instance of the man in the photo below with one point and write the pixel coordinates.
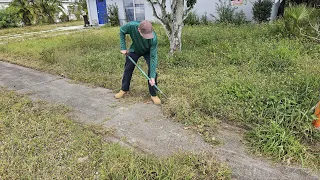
(144, 43)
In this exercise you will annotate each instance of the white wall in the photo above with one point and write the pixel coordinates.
(3, 5)
(201, 7)
(206, 6)
(92, 12)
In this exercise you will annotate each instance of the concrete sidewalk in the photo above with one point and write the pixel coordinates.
(139, 125)
(5, 39)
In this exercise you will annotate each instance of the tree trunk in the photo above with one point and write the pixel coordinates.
(177, 24)
(173, 21)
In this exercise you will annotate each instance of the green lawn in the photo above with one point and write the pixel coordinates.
(38, 141)
(248, 75)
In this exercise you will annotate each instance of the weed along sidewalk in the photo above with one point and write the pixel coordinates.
(140, 126)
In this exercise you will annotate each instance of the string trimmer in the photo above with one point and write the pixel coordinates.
(146, 75)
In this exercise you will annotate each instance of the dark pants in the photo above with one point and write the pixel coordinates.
(128, 70)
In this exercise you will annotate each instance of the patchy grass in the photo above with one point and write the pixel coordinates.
(249, 75)
(19, 30)
(38, 141)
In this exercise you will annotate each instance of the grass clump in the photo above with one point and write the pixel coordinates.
(38, 141)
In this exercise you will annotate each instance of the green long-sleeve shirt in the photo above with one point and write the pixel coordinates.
(140, 45)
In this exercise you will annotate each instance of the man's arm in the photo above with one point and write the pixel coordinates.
(153, 61)
(123, 31)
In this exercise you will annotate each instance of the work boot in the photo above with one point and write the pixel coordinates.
(156, 100)
(120, 94)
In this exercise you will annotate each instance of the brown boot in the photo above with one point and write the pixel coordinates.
(156, 100)
(120, 94)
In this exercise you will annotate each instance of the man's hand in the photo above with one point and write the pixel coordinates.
(124, 52)
(152, 82)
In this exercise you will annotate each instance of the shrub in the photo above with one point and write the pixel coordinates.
(298, 18)
(262, 10)
(9, 17)
(239, 18)
(227, 14)
(192, 19)
(113, 16)
(301, 20)
(204, 19)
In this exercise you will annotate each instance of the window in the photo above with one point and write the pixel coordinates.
(134, 9)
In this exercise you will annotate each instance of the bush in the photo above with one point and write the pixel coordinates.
(298, 18)
(262, 10)
(204, 19)
(227, 14)
(9, 17)
(113, 15)
(239, 18)
(192, 19)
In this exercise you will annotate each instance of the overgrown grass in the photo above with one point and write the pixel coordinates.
(37, 28)
(249, 75)
(38, 141)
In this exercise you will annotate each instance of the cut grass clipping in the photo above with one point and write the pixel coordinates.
(250, 75)
(37, 141)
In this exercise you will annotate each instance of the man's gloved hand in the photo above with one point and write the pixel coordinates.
(152, 82)
(124, 52)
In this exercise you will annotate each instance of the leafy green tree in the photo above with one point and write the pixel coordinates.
(48, 10)
(25, 10)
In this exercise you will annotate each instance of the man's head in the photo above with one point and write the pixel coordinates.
(145, 29)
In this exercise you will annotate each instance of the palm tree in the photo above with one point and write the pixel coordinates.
(48, 10)
(25, 10)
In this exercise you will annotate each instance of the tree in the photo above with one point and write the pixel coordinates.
(47, 10)
(172, 21)
(25, 10)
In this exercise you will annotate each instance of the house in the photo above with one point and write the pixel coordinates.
(142, 10)
(4, 3)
